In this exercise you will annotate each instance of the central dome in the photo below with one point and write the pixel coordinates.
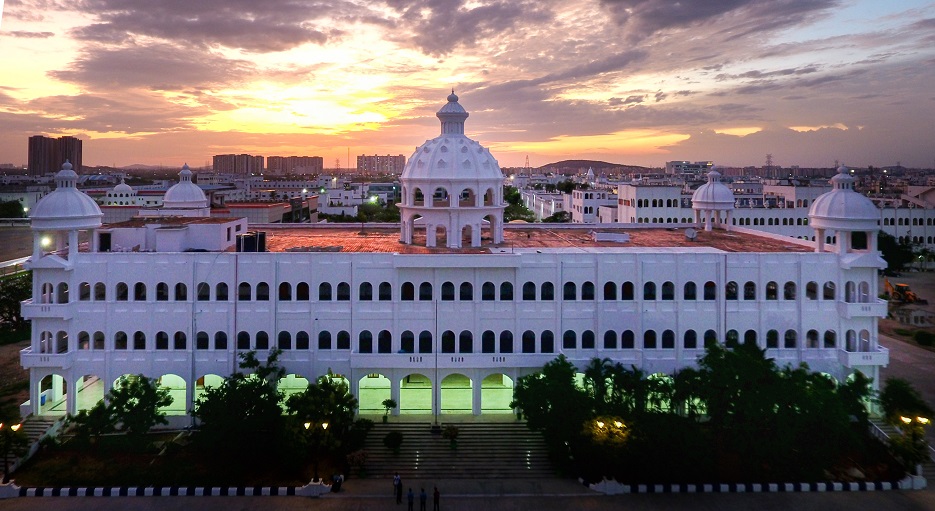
(184, 194)
(452, 155)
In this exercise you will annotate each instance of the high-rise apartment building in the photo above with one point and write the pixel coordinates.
(386, 164)
(46, 154)
(238, 164)
(283, 165)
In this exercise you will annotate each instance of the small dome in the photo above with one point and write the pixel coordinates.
(184, 194)
(843, 209)
(66, 208)
(713, 195)
(123, 187)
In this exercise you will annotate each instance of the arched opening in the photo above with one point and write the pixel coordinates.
(415, 394)
(374, 389)
(53, 392)
(90, 391)
(207, 381)
(496, 393)
(440, 198)
(175, 384)
(456, 394)
(291, 384)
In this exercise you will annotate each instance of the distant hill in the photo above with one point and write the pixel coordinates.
(597, 165)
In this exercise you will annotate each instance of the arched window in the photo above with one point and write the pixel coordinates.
(529, 291)
(528, 340)
(811, 339)
(587, 340)
(466, 292)
(139, 341)
(284, 341)
(488, 292)
(569, 340)
(220, 292)
(749, 337)
(790, 339)
(162, 292)
(506, 343)
(547, 293)
(749, 291)
(262, 292)
(243, 341)
(365, 342)
(180, 341)
(506, 292)
(627, 291)
(710, 291)
(407, 342)
(448, 341)
(425, 291)
(162, 340)
(425, 341)
(120, 341)
(488, 342)
(220, 340)
(689, 291)
(649, 291)
(244, 292)
(324, 340)
(772, 339)
(811, 290)
(448, 292)
(84, 292)
(569, 291)
(201, 340)
(344, 292)
(668, 340)
(262, 340)
(610, 291)
(710, 338)
(831, 339)
(627, 340)
(302, 292)
(772, 291)
(100, 292)
(610, 339)
(732, 339)
(731, 290)
(285, 291)
(384, 342)
(587, 291)
(301, 340)
(828, 291)
(668, 291)
(139, 292)
(343, 340)
(465, 342)
(324, 292)
(547, 342)
(386, 292)
(365, 292)
(407, 292)
(788, 291)
(690, 340)
(649, 340)
(203, 292)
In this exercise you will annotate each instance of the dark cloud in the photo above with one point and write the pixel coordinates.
(264, 26)
(439, 27)
(643, 18)
(153, 67)
(22, 34)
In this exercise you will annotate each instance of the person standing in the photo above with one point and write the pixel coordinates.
(422, 497)
(398, 488)
(435, 497)
(411, 497)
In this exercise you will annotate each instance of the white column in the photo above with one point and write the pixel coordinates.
(429, 235)
(819, 240)
(394, 392)
(475, 396)
(72, 245)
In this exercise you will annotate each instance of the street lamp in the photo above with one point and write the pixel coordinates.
(316, 444)
(914, 428)
(7, 438)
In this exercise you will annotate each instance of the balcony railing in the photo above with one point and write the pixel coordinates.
(28, 359)
(851, 359)
(31, 310)
(875, 308)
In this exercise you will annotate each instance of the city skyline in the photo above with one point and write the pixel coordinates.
(628, 81)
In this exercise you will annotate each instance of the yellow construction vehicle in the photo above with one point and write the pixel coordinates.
(900, 293)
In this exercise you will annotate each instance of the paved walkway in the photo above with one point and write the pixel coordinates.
(914, 364)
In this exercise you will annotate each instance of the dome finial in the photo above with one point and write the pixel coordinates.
(67, 165)
(452, 98)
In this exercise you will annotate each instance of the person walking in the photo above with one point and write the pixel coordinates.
(398, 488)
(411, 497)
(435, 497)
(422, 497)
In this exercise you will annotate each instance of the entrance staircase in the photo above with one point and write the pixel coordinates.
(928, 468)
(484, 451)
(34, 428)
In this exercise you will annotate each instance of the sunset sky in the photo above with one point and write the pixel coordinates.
(627, 81)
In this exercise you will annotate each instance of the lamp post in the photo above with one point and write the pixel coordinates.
(316, 444)
(8, 435)
(914, 427)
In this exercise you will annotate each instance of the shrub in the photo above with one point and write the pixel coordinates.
(903, 332)
(393, 441)
(924, 337)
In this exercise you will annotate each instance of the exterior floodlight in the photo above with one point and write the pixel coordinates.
(906, 420)
(324, 425)
(45, 241)
(922, 420)
(308, 425)
(600, 424)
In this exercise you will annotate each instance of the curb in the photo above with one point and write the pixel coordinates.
(614, 488)
(311, 490)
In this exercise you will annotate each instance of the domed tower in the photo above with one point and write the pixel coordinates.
(57, 218)
(712, 200)
(852, 217)
(121, 195)
(185, 198)
(452, 185)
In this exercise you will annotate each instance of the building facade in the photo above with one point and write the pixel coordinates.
(46, 154)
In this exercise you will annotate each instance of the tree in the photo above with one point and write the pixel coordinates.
(900, 399)
(244, 410)
(134, 405)
(561, 217)
(553, 403)
(13, 290)
(896, 253)
(89, 425)
(11, 209)
(326, 400)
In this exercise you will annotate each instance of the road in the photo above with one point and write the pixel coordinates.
(915, 364)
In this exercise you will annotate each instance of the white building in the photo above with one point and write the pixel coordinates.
(438, 327)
